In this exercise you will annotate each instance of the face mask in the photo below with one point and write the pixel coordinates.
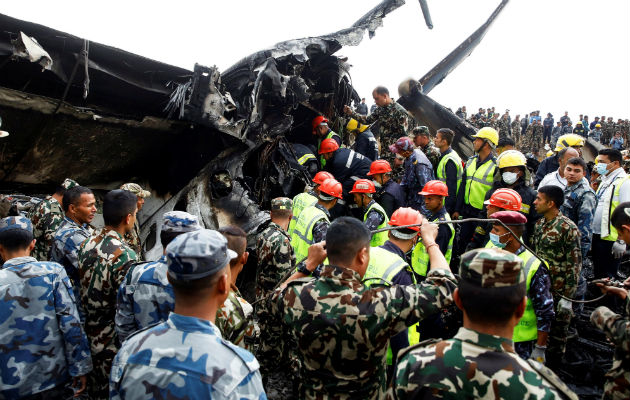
(377, 185)
(601, 168)
(496, 240)
(509, 177)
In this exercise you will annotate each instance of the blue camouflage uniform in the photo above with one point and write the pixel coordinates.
(418, 171)
(185, 356)
(145, 296)
(579, 206)
(64, 250)
(41, 338)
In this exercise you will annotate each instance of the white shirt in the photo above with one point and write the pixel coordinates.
(553, 179)
(624, 195)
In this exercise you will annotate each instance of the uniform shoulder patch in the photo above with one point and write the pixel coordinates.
(553, 379)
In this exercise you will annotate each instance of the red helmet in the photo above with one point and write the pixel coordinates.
(321, 176)
(379, 167)
(328, 146)
(331, 187)
(317, 121)
(437, 188)
(406, 216)
(506, 199)
(363, 186)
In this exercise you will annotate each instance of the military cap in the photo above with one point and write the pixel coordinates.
(195, 255)
(491, 268)
(69, 184)
(420, 130)
(136, 189)
(402, 144)
(282, 203)
(180, 222)
(510, 217)
(19, 222)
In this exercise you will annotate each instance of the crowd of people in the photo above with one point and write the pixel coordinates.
(356, 289)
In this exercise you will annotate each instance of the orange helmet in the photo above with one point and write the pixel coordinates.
(379, 167)
(437, 188)
(363, 186)
(321, 176)
(406, 216)
(332, 188)
(506, 199)
(317, 121)
(328, 146)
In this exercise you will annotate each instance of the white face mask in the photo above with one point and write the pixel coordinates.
(509, 177)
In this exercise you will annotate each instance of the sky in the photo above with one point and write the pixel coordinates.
(548, 55)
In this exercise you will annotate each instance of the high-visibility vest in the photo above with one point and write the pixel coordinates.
(478, 181)
(378, 239)
(420, 257)
(308, 156)
(300, 202)
(330, 135)
(441, 168)
(302, 237)
(383, 267)
(527, 327)
(609, 208)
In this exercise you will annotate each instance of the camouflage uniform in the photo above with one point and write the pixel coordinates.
(41, 338)
(609, 131)
(103, 263)
(46, 218)
(132, 238)
(617, 328)
(503, 127)
(432, 153)
(579, 206)
(275, 259)
(343, 328)
(533, 138)
(516, 133)
(558, 242)
(235, 320)
(475, 364)
(393, 122)
(185, 357)
(145, 296)
(65, 248)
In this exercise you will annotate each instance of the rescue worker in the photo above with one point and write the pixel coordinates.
(323, 132)
(312, 225)
(501, 199)
(434, 193)
(551, 164)
(579, 129)
(596, 133)
(480, 360)
(132, 238)
(477, 180)
(389, 194)
(450, 167)
(532, 331)
(607, 249)
(305, 159)
(364, 140)
(505, 144)
(374, 216)
(418, 171)
(422, 140)
(308, 198)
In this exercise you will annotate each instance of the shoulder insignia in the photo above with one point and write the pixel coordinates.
(553, 379)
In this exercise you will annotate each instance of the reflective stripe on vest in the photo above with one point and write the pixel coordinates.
(302, 236)
(308, 156)
(300, 202)
(441, 169)
(607, 213)
(378, 239)
(527, 327)
(420, 257)
(383, 267)
(478, 181)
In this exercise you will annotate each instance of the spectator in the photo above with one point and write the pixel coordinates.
(547, 127)
(617, 141)
(362, 107)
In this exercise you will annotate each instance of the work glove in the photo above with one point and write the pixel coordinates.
(538, 354)
(618, 249)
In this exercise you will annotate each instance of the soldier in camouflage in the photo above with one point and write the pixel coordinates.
(516, 131)
(609, 130)
(343, 327)
(503, 126)
(79, 206)
(557, 240)
(46, 218)
(103, 264)
(43, 344)
(422, 140)
(145, 297)
(392, 118)
(533, 137)
(185, 356)
(235, 319)
(133, 237)
(480, 361)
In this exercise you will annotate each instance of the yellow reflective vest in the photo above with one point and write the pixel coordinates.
(302, 237)
(420, 257)
(300, 202)
(441, 168)
(527, 327)
(378, 239)
(479, 180)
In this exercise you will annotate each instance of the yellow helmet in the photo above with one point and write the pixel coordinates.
(353, 124)
(598, 125)
(569, 140)
(549, 153)
(489, 134)
(511, 158)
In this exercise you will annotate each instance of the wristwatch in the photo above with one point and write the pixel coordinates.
(301, 268)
